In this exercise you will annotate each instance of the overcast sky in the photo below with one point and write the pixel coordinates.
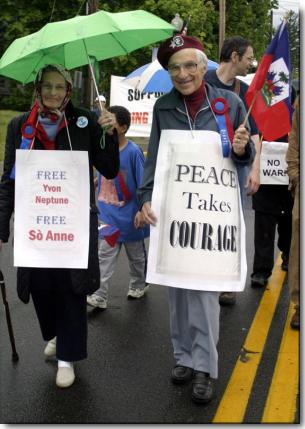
(284, 6)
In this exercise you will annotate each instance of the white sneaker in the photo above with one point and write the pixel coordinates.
(65, 376)
(137, 293)
(96, 301)
(50, 349)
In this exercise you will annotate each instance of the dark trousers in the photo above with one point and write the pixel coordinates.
(60, 312)
(264, 237)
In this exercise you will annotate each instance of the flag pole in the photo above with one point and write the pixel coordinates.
(250, 108)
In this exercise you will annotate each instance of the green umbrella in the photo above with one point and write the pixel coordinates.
(82, 40)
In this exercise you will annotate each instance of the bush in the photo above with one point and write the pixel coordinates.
(19, 98)
(5, 117)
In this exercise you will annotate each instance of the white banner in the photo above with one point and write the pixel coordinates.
(273, 165)
(52, 205)
(139, 105)
(199, 240)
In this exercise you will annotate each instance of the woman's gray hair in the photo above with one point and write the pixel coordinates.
(201, 56)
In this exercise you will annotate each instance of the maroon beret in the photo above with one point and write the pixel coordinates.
(174, 44)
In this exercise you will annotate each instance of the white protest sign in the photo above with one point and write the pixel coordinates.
(140, 105)
(199, 240)
(273, 165)
(51, 209)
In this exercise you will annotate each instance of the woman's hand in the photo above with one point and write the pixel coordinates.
(107, 121)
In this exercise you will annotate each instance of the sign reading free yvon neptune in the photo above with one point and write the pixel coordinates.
(199, 240)
(52, 206)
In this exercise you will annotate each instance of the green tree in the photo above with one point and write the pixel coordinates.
(20, 18)
(250, 19)
(293, 27)
(202, 21)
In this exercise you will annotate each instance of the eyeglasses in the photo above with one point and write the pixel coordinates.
(189, 66)
(58, 88)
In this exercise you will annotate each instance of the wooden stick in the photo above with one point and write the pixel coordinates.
(250, 108)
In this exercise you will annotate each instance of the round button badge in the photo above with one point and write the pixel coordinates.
(82, 121)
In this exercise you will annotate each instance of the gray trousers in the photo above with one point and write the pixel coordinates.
(194, 327)
(137, 259)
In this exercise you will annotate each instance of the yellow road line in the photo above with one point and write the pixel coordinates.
(281, 402)
(235, 399)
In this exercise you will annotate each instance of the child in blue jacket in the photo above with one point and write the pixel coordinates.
(121, 219)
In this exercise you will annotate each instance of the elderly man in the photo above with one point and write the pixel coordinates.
(194, 314)
(236, 59)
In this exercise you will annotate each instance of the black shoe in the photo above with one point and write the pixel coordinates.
(258, 281)
(227, 298)
(285, 261)
(295, 320)
(202, 388)
(181, 374)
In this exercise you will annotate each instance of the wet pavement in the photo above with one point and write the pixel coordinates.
(126, 378)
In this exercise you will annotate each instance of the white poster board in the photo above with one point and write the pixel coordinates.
(273, 165)
(52, 205)
(139, 105)
(199, 240)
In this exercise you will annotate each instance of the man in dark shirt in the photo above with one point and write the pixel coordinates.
(236, 59)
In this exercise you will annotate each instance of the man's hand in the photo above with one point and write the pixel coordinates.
(241, 138)
(108, 121)
(148, 214)
(253, 181)
(139, 221)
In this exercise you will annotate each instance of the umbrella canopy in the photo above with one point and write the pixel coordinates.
(76, 41)
(152, 77)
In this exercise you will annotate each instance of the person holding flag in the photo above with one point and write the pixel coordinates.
(269, 101)
(193, 105)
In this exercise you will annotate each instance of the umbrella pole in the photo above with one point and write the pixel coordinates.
(95, 84)
(15, 356)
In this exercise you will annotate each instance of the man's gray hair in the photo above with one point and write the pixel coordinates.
(201, 56)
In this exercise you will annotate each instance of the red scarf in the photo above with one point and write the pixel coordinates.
(194, 101)
(38, 130)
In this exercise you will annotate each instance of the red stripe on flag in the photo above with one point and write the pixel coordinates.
(267, 116)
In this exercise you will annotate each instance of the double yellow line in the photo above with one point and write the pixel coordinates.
(280, 406)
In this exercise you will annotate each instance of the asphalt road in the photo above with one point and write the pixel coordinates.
(126, 377)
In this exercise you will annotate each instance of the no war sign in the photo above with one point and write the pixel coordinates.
(273, 166)
(199, 240)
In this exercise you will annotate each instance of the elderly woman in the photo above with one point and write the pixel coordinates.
(59, 295)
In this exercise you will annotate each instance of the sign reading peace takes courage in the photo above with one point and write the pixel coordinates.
(199, 240)
(201, 234)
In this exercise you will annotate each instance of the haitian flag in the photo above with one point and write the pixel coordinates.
(270, 89)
